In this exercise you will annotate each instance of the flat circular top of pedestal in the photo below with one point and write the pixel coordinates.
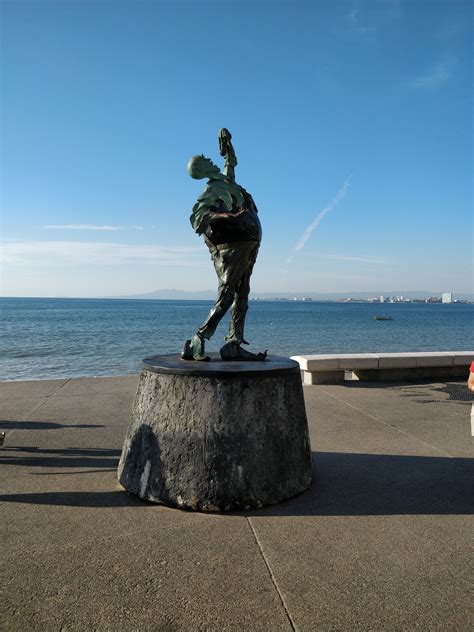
(216, 367)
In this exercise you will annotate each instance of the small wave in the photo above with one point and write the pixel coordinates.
(30, 353)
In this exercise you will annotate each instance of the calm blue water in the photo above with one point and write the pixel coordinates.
(55, 338)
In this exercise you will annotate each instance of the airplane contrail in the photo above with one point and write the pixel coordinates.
(312, 227)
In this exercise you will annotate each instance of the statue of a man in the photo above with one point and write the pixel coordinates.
(226, 215)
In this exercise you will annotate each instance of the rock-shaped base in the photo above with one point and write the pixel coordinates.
(217, 436)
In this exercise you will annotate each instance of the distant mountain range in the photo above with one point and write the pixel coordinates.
(205, 295)
(174, 295)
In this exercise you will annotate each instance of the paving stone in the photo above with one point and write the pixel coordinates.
(37, 388)
(207, 576)
(100, 385)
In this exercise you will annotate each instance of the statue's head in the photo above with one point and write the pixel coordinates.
(202, 167)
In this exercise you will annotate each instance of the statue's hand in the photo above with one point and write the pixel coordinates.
(225, 144)
(226, 149)
(225, 138)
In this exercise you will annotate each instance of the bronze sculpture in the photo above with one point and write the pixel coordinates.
(226, 215)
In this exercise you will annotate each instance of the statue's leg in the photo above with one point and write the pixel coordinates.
(241, 302)
(237, 322)
(228, 275)
(222, 304)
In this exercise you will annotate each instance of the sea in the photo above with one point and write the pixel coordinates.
(61, 338)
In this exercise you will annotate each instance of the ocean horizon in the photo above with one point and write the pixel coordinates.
(52, 338)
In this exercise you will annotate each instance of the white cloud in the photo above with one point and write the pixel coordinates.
(74, 253)
(90, 227)
(365, 259)
(312, 227)
(352, 16)
(83, 227)
(369, 259)
(356, 26)
(435, 76)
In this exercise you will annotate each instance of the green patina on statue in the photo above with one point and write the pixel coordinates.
(226, 215)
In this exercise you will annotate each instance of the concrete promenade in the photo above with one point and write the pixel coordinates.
(380, 542)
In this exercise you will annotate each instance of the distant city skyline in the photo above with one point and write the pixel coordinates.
(390, 296)
(351, 122)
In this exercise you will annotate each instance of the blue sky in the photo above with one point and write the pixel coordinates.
(359, 112)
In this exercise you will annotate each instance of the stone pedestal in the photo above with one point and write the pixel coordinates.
(213, 436)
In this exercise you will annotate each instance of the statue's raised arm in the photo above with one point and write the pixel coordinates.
(226, 149)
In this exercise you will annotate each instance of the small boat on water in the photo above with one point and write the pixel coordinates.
(383, 318)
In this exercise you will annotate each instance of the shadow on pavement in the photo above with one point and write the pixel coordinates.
(42, 425)
(450, 393)
(345, 484)
(77, 499)
(429, 391)
(60, 457)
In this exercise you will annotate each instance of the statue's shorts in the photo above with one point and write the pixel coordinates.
(234, 264)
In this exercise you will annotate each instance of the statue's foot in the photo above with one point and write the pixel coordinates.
(194, 350)
(232, 351)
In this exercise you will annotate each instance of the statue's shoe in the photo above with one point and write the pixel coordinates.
(194, 350)
(232, 351)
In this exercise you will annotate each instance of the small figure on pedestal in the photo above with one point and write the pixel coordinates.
(226, 215)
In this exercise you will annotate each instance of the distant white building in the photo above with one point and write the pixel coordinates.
(447, 297)
(382, 299)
